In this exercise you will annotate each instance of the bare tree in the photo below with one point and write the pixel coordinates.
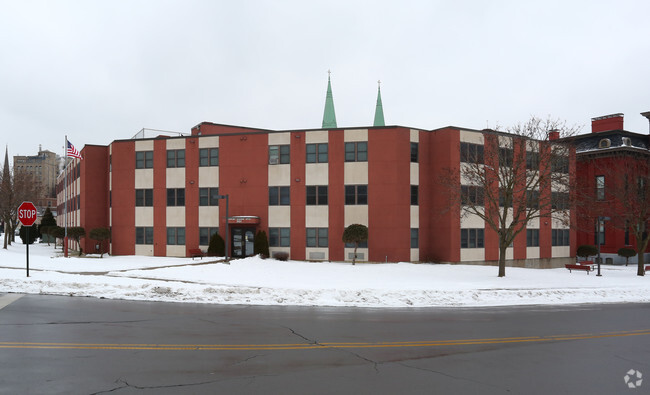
(512, 178)
(625, 200)
(15, 188)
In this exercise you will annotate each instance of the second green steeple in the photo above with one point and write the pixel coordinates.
(379, 110)
(329, 117)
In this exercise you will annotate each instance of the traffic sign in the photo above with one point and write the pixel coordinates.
(27, 213)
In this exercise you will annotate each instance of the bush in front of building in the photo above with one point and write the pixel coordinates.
(47, 222)
(33, 234)
(355, 233)
(57, 232)
(586, 251)
(76, 233)
(626, 253)
(101, 235)
(217, 246)
(261, 244)
(281, 256)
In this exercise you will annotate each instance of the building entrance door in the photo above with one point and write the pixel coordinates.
(242, 242)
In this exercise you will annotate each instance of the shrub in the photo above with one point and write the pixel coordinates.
(101, 235)
(261, 244)
(586, 250)
(76, 233)
(281, 256)
(217, 246)
(33, 234)
(356, 234)
(627, 253)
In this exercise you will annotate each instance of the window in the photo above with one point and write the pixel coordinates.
(505, 198)
(208, 196)
(279, 196)
(317, 195)
(316, 153)
(205, 234)
(560, 200)
(471, 238)
(362, 244)
(356, 151)
(144, 197)
(472, 195)
(532, 160)
(414, 195)
(175, 197)
(317, 237)
(532, 198)
(356, 194)
(175, 236)
(209, 157)
(560, 237)
(176, 158)
(599, 234)
(471, 153)
(604, 143)
(414, 152)
(415, 238)
(278, 154)
(600, 187)
(144, 160)
(560, 164)
(279, 237)
(532, 237)
(627, 233)
(144, 235)
(506, 156)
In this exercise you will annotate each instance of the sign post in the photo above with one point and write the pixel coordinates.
(27, 216)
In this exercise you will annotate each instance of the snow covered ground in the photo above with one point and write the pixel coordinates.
(270, 282)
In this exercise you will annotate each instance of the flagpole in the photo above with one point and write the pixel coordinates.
(65, 206)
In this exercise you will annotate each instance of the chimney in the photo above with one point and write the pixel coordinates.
(607, 122)
(553, 134)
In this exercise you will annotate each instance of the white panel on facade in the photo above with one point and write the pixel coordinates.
(144, 145)
(415, 136)
(144, 249)
(560, 251)
(279, 216)
(532, 252)
(362, 254)
(316, 217)
(208, 141)
(175, 216)
(320, 136)
(468, 136)
(415, 216)
(279, 175)
(143, 178)
(355, 173)
(356, 215)
(472, 254)
(110, 216)
(208, 176)
(317, 254)
(144, 216)
(472, 221)
(175, 178)
(533, 224)
(355, 135)
(316, 174)
(279, 138)
(178, 251)
(175, 143)
(209, 216)
(510, 253)
(415, 173)
(415, 254)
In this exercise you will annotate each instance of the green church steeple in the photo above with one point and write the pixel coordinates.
(379, 110)
(329, 117)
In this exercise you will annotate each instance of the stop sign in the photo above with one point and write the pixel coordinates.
(27, 213)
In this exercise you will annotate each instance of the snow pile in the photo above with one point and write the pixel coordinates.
(270, 282)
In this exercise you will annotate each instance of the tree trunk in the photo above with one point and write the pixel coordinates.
(354, 258)
(502, 260)
(640, 269)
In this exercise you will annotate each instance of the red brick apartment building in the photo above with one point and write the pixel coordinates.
(609, 161)
(159, 195)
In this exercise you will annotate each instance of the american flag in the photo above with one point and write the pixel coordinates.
(72, 151)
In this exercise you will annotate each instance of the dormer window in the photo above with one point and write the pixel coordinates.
(605, 143)
(627, 142)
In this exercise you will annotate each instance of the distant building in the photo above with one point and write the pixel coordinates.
(45, 169)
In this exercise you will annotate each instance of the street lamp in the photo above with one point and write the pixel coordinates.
(599, 259)
(227, 217)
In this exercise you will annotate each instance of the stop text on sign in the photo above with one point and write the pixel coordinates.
(27, 213)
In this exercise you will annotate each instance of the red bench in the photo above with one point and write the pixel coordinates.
(194, 252)
(586, 268)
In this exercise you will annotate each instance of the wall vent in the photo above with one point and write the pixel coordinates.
(605, 143)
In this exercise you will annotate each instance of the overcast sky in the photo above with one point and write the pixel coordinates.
(100, 71)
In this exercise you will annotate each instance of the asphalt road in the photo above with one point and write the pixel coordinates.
(72, 345)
